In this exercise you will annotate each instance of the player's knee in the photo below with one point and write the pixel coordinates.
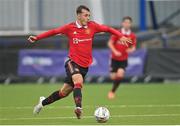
(65, 90)
(77, 79)
(63, 93)
(120, 74)
(113, 76)
(80, 80)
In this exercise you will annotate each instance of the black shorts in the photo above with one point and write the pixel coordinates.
(115, 65)
(71, 69)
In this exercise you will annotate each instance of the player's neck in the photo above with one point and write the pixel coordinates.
(79, 23)
(126, 29)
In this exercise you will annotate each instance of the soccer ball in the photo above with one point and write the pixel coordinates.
(102, 114)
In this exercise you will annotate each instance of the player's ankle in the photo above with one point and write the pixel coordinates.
(79, 108)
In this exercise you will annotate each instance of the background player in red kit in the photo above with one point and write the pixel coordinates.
(80, 34)
(120, 53)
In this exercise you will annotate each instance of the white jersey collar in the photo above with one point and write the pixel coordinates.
(80, 26)
(125, 32)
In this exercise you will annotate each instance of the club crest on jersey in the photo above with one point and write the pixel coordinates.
(74, 32)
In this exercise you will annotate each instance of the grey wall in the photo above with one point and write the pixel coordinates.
(114, 10)
(11, 13)
(59, 12)
(164, 9)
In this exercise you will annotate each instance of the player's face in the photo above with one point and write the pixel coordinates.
(84, 17)
(126, 24)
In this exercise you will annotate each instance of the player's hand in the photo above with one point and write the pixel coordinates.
(32, 39)
(125, 40)
(117, 53)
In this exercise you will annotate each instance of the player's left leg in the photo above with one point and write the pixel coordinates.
(57, 95)
(116, 81)
(119, 76)
(111, 95)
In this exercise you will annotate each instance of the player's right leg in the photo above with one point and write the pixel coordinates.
(77, 94)
(76, 73)
(57, 95)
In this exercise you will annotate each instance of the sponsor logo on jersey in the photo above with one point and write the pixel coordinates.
(76, 40)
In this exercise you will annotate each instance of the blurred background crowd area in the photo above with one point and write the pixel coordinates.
(156, 24)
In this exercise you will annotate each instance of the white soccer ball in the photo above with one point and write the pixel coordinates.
(102, 114)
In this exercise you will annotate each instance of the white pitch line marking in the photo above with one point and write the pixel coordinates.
(87, 117)
(92, 106)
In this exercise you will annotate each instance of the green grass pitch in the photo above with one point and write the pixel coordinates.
(134, 104)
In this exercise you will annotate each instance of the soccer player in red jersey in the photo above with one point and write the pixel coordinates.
(119, 54)
(80, 34)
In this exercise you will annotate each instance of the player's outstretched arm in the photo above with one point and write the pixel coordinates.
(46, 34)
(60, 30)
(104, 28)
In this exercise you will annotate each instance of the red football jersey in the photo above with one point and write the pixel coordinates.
(122, 48)
(80, 39)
